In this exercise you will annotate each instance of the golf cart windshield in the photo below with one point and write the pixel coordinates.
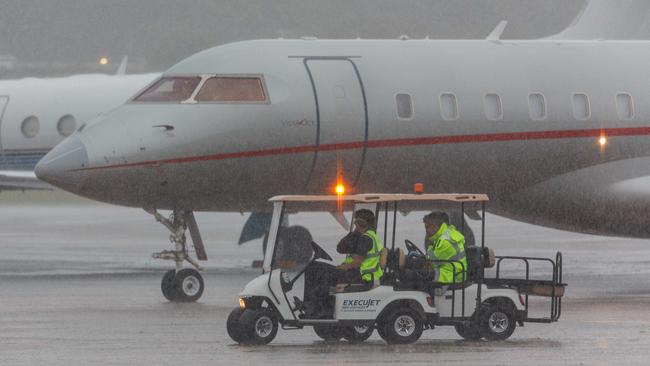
(298, 230)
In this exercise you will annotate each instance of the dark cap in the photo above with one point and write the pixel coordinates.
(436, 216)
(365, 217)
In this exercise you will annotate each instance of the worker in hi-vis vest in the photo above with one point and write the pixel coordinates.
(445, 243)
(361, 266)
(363, 249)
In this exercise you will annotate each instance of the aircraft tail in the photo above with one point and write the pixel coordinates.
(609, 19)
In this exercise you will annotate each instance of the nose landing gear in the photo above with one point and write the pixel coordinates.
(181, 284)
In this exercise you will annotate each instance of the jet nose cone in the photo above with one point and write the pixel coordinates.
(61, 166)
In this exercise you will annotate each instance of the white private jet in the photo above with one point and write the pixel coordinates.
(37, 114)
(555, 131)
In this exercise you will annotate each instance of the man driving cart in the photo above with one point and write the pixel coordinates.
(445, 243)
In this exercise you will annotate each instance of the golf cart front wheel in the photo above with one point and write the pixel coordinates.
(234, 327)
(258, 326)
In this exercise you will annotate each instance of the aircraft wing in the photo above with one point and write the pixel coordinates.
(21, 180)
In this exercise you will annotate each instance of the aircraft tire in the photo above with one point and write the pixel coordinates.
(188, 285)
(167, 285)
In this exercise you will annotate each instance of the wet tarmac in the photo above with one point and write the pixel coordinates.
(78, 287)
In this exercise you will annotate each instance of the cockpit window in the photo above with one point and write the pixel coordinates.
(169, 89)
(232, 89)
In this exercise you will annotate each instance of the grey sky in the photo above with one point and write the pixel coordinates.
(162, 32)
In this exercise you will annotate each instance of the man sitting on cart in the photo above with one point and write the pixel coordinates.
(363, 251)
(361, 266)
(445, 243)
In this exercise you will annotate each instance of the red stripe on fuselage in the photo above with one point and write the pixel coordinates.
(413, 141)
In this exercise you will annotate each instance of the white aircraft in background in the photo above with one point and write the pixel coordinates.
(556, 131)
(37, 114)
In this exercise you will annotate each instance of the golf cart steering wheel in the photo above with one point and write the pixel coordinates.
(412, 247)
(320, 253)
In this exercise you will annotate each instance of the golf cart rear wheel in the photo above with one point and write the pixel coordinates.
(234, 327)
(498, 322)
(167, 285)
(258, 326)
(357, 333)
(402, 326)
(328, 333)
(188, 285)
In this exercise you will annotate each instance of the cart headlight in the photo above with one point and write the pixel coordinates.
(242, 303)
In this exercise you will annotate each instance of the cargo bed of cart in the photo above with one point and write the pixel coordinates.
(553, 287)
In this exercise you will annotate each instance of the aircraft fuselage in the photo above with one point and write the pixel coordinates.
(556, 133)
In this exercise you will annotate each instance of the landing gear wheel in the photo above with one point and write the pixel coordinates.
(188, 285)
(167, 285)
(233, 326)
(328, 333)
(498, 322)
(258, 326)
(357, 333)
(470, 332)
(402, 326)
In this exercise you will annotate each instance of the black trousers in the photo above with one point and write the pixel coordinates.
(319, 278)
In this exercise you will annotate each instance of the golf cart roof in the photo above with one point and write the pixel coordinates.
(386, 197)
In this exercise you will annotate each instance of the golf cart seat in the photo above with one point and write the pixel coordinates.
(360, 287)
(474, 255)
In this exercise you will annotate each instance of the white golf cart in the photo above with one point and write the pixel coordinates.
(406, 300)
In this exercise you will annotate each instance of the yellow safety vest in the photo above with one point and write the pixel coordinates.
(370, 268)
(448, 244)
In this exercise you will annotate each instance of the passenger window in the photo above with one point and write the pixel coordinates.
(30, 127)
(624, 106)
(448, 107)
(537, 106)
(66, 125)
(493, 110)
(232, 89)
(169, 89)
(581, 108)
(404, 106)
